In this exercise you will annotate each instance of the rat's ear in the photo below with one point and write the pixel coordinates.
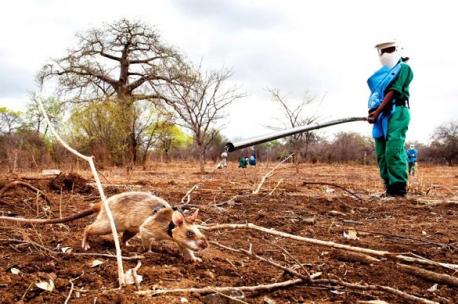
(177, 218)
(193, 217)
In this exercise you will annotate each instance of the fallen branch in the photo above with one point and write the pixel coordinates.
(355, 257)
(379, 253)
(388, 289)
(270, 173)
(311, 279)
(90, 160)
(233, 299)
(250, 253)
(71, 287)
(335, 186)
(430, 275)
(103, 255)
(392, 235)
(187, 196)
(211, 289)
(37, 177)
(25, 185)
(276, 186)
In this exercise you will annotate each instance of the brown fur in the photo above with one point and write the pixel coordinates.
(185, 234)
(129, 209)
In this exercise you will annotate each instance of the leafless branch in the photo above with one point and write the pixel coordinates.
(373, 252)
(25, 185)
(270, 173)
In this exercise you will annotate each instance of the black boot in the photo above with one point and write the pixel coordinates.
(398, 189)
(388, 190)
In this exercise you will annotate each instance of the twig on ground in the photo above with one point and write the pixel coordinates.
(392, 235)
(276, 186)
(103, 255)
(430, 275)
(374, 252)
(70, 292)
(354, 257)
(311, 279)
(37, 177)
(187, 196)
(270, 173)
(71, 287)
(229, 201)
(335, 186)
(388, 289)
(293, 258)
(211, 289)
(230, 298)
(251, 254)
(25, 185)
(26, 291)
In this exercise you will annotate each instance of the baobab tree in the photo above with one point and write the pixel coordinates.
(124, 61)
(200, 104)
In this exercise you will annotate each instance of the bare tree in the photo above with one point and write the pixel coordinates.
(295, 116)
(445, 142)
(125, 60)
(200, 104)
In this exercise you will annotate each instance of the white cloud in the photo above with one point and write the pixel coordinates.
(322, 46)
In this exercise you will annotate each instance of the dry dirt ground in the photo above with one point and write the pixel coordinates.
(425, 224)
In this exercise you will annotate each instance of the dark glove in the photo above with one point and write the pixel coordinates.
(372, 118)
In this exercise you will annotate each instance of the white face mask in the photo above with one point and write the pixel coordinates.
(390, 59)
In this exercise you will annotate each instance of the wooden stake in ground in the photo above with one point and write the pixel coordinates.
(270, 173)
(90, 160)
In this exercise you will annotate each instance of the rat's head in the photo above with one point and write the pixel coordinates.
(186, 233)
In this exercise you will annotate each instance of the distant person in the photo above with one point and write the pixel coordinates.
(389, 112)
(252, 160)
(412, 159)
(224, 159)
(243, 161)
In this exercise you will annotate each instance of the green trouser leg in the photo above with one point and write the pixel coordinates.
(380, 147)
(391, 155)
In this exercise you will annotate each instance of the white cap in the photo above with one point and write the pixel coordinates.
(412, 146)
(386, 44)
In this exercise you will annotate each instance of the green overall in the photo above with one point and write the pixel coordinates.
(390, 152)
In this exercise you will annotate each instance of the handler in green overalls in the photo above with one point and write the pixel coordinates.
(392, 117)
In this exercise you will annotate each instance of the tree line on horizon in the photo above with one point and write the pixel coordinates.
(125, 96)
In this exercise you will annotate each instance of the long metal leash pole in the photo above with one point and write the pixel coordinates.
(230, 147)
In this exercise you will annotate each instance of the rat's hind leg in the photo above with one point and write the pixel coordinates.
(126, 236)
(95, 228)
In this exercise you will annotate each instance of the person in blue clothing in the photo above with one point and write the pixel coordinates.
(412, 159)
(252, 159)
(390, 115)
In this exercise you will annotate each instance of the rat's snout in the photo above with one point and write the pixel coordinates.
(203, 244)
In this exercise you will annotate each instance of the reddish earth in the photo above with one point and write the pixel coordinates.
(412, 225)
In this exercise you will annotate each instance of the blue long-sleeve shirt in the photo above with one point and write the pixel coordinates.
(411, 155)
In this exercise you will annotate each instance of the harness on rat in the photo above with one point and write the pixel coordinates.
(171, 225)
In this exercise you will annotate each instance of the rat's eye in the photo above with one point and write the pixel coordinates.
(190, 234)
